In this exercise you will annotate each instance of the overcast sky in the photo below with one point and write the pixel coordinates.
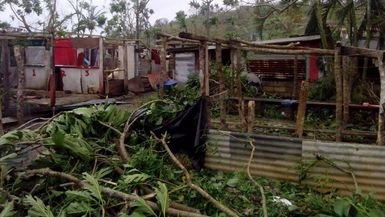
(162, 9)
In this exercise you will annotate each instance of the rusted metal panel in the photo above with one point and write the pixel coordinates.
(367, 162)
(274, 157)
(327, 165)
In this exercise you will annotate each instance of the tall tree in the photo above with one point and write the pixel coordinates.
(181, 20)
(88, 17)
(207, 9)
(129, 18)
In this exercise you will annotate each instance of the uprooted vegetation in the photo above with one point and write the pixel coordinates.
(72, 166)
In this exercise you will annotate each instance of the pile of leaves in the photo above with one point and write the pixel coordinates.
(70, 166)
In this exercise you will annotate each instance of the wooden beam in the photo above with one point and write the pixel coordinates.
(357, 51)
(288, 52)
(207, 70)
(241, 103)
(5, 71)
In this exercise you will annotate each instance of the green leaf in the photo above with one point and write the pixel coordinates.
(87, 112)
(232, 182)
(94, 187)
(79, 208)
(142, 207)
(342, 207)
(38, 208)
(8, 210)
(136, 177)
(162, 197)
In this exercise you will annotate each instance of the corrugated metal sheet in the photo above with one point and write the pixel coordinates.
(274, 157)
(366, 161)
(278, 157)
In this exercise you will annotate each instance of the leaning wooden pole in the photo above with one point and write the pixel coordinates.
(301, 111)
(251, 116)
(381, 116)
(222, 103)
(19, 54)
(339, 92)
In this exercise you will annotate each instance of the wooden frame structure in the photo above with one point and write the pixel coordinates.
(188, 40)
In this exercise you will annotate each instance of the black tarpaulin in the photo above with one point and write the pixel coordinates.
(187, 132)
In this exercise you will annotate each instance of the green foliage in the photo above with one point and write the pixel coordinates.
(323, 90)
(142, 208)
(162, 198)
(8, 210)
(37, 207)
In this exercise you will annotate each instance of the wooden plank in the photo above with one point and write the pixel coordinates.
(302, 108)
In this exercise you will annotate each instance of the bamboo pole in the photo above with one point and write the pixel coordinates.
(301, 111)
(339, 92)
(381, 121)
(19, 54)
(222, 104)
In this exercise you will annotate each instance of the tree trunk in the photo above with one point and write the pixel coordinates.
(381, 116)
(339, 93)
(19, 56)
(241, 103)
(222, 103)
(301, 111)
(346, 77)
(323, 35)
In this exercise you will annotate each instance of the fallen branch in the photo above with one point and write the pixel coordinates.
(189, 180)
(106, 191)
(121, 147)
(255, 182)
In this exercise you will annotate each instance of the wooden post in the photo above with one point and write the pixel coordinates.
(241, 103)
(381, 116)
(301, 111)
(251, 116)
(19, 55)
(202, 68)
(4, 69)
(163, 60)
(1, 117)
(222, 103)
(125, 65)
(295, 77)
(207, 69)
(339, 92)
